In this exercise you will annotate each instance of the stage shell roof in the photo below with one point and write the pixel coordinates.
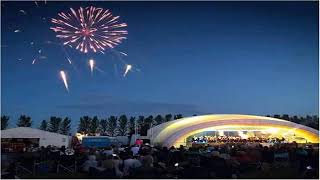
(175, 132)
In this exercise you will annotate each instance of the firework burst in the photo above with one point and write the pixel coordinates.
(89, 29)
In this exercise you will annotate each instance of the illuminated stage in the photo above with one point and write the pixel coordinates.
(175, 133)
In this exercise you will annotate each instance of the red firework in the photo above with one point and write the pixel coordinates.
(89, 28)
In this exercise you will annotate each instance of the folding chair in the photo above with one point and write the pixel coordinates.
(67, 163)
(42, 167)
(25, 164)
(22, 170)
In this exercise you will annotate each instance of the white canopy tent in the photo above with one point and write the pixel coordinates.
(45, 138)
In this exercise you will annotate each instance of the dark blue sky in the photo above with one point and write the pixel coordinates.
(195, 58)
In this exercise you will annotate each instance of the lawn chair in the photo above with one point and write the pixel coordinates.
(25, 164)
(42, 167)
(67, 163)
(22, 169)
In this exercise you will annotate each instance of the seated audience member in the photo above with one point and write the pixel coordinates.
(8, 170)
(109, 167)
(146, 171)
(195, 171)
(117, 162)
(135, 149)
(310, 173)
(243, 157)
(130, 164)
(217, 165)
(91, 162)
(176, 156)
(163, 155)
(108, 151)
(121, 148)
(139, 142)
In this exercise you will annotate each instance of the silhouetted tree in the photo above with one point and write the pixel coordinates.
(168, 117)
(144, 129)
(94, 125)
(285, 117)
(308, 118)
(149, 119)
(312, 124)
(140, 122)
(302, 120)
(4, 122)
(103, 125)
(112, 125)
(54, 124)
(315, 118)
(295, 119)
(132, 123)
(24, 121)
(43, 125)
(178, 116)
(146, 125)
(276, 116)
(158, 119)
(84, 125)
(65, 126)
(122, 128)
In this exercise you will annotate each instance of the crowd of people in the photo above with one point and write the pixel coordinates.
(235, 139)
(228, 160)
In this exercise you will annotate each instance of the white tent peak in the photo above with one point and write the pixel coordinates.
(45, 138)
(26, 132)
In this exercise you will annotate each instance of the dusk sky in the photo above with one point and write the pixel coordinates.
(194, 58)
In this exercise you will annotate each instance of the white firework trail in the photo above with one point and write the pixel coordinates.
(70, 62)
(128, 68)
(22, 11)
(64, 78)
(100, 70)
(91, 64)
(123, 53)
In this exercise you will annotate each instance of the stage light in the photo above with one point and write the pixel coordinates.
(221, 133)
(272, 130)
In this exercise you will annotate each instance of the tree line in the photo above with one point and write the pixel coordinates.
(54, 124)
(123, 125)
(310, 121)
(111, 126)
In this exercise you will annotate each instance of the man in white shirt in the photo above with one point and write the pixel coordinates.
(130, 163)
(135, 150)
(91, 162)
